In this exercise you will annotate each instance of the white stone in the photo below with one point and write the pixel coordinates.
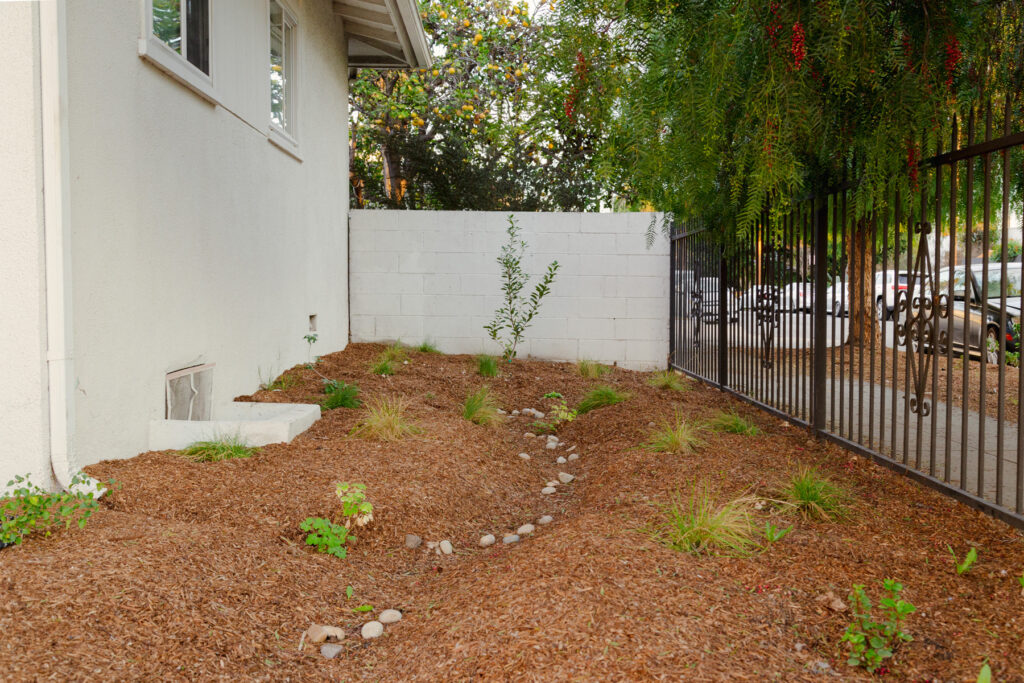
(524, 456)
(372, 629)
(552, 483)
(560, 460)
(487, 540)
(548, 490)
(574, 456)
(510, 538)
(551, 445)
(515, 413)
(565, 477)
(330, 650)
(539, 415)
(571, 448)
(546, 519)
(529, 435)
(389, 616)
(552, 437)
(446, 546)
(501, 412)
(525, 529)
(412, 541)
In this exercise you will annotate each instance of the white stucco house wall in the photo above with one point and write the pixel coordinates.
(174, 198)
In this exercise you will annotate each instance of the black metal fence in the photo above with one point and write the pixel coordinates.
(895, 334)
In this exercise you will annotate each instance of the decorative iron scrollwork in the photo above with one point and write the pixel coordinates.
(766, 308)
(919, 309)
(696, 311)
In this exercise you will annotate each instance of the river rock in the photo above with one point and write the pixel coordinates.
(561, 460)
(529, 435)
(330, 650)
(446, 547)
(524, 456)
(565, 477)
(546, 519)
(525, 529)
(510, 538)
(412, 541)
(548, 490)
(318, 633)
(372, 629)
(486, 540)
(389, 616)
(574, 456)
(551, 445)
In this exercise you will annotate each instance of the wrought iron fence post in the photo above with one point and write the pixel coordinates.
(673, 294)
(723, 322)
(820, 214)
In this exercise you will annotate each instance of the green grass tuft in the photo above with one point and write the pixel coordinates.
(487, 366)
(340, 395)
(701, 525)
(382, 366)
(215, 451)
(814, 495)
(679, 437)
(599, 398)
(734, 423)
(283, 383)
(385, 420)
(668, 380)
(396, 353)
(481, 408)
(427, 346)
(591, 369)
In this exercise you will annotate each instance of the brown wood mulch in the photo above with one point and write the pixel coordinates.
(197, 571)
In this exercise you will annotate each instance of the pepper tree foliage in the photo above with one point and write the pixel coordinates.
(715, 106)
(485, 127)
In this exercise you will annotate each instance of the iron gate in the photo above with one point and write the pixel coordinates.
(895, 334)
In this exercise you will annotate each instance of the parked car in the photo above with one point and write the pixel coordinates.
(748, 299)
(977, 308)
(797, 296)
(888, 285)
(835, 299)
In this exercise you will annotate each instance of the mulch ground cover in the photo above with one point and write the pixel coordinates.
(198, 571)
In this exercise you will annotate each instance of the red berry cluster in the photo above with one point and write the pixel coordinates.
(953, 55)
(913, 159)
(907, 49)
(797, 46)
(774, 26)
(581, 72)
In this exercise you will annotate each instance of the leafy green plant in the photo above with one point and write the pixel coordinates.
(385, 420)
(773, 533)
(591, 369)
(969, 559)
(679, 437)
(516, 313)
(327, 536)
(310, 340)
(487, 366)
(349, 592)
(481, 408)
(382, 366)
(814, 496)
(1020, 580)
(558, 412)
(340, 395)
(362, 609)
(599, 398)
(702, 525)
(215, 451)
(734, 423)
(29, 508)
(667, 380)
(985, 674)
(427, 346)
(873, 642)
(355, 509)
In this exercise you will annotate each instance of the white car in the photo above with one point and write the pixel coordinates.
(835, 299)
(888, 283)
(748, 299)
(797, 296)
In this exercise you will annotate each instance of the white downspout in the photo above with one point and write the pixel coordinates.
(57, 239)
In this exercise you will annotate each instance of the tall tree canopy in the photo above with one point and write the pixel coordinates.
(485, 128)
(714, 106)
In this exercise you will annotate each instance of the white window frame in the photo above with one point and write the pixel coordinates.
(287, 140)
(175, 65)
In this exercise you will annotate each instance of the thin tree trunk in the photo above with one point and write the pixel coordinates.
(859, 273)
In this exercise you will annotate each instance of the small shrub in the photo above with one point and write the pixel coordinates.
(701, 525)
(773, 533)
(873, 642)
(426, 346)
(385, 420)
(355, 509)
(215, 451)
(559, 410)
(667, 380)
(814, 496)
(679, 437)
(969, 560)
(327, 536)
(382, 366)
(340, 395)
(599, 398)
(396, 353)
(591, 369)
(481, 408)
(29, 508)
(487, 366)
(734, 423)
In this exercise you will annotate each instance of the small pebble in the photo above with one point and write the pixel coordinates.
(539, 415)
(330, 650)
(551, 445)
(574, 456)
(651, 424)
(389, 616)
(446, 546)
(552, 437)
(525, 529)
(487, 540)
(372, 629)
(561, 460)
(501, 412)
(515, 413)
(565, 477)
(571, 448)
(412, 541)
(510, 538)
(552, 483)
(524, 456)
(548, 490)
(529, 435)
(546, 519)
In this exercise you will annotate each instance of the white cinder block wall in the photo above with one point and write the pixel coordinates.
(418, 275)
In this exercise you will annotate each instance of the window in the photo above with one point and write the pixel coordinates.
(282, 68)
(184, 26)
(189, 393)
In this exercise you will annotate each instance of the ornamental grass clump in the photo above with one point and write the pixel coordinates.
(733, 423)
(667, 380)
(814, 495)
(382, 366)
(487, 366)
(385, 420)
(679, 437)
(591, 369)
(481, 408)
(427, 346)
(340, 395)
(216, 451)
(701, 525)
(600, 398)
